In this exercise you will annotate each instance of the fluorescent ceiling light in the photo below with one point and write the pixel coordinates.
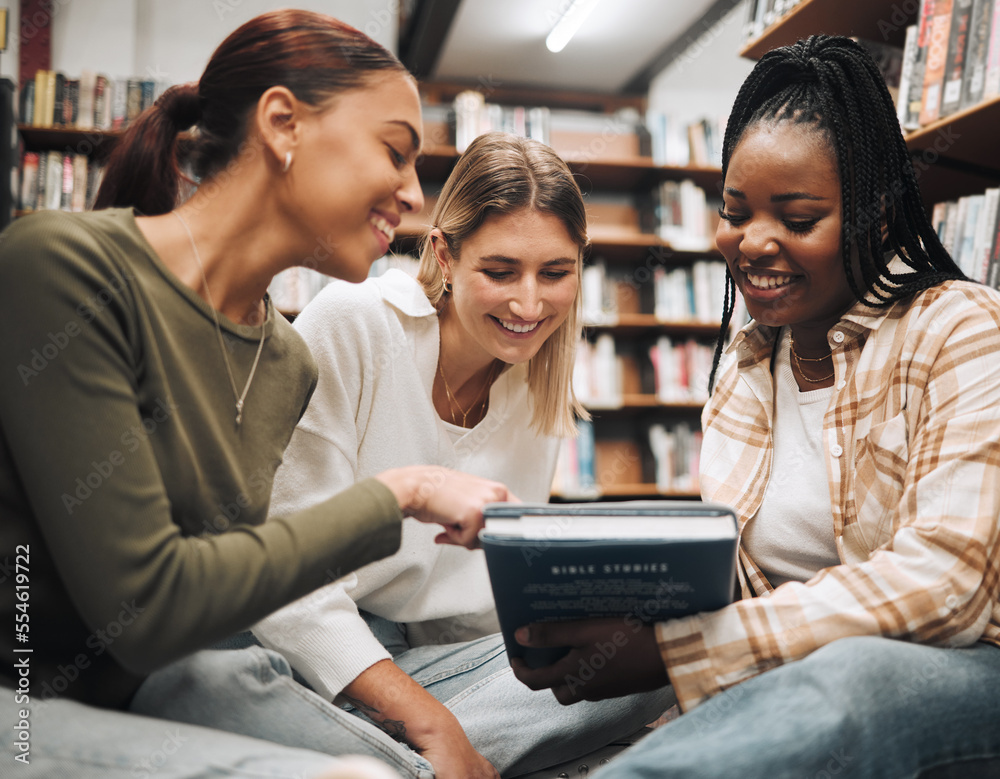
(574, 15)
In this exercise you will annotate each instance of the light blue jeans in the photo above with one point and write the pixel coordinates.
(63, 738)
(859, 708)
(252, 691)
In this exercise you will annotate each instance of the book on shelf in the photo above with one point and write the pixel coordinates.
(57, 180)
(675, 452)
(939, 34)
(642, 561)
(955, 62)
(991, 78)
(92, 101)
(974, 77)
(968, 228)
(907, 75)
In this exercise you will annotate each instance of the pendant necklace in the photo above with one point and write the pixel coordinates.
(453, 401)
(237, 395)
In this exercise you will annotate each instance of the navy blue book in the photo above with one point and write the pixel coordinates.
(645, 561)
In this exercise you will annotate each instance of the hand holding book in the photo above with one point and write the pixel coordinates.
(608, 658)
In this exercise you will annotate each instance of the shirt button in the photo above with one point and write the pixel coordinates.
(951, 601)
(836, 450)
(841, 384)
(838, 337)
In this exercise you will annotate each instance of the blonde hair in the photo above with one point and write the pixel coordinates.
(502, 173)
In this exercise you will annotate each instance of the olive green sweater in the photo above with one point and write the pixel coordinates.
(132, 501)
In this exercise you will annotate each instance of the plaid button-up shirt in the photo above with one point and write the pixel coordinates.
(912, 445)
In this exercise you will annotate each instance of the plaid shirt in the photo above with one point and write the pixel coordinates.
(913, 468)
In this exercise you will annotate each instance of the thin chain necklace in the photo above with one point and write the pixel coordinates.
(453, 402)
(237, 395)
(799, 360)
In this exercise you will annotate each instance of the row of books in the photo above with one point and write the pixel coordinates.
(686, 217)
(667, 455)
(969, 228)
(675, 371)
(56, 180)
(92, 101)
(761, 14)
(586, 135)
(685, 293)
(675, 143)
(950, 60)
(293, 288)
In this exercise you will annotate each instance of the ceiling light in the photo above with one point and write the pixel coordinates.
(574, 15)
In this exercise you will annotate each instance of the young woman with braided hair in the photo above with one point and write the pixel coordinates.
(855, 428)
(139, 447)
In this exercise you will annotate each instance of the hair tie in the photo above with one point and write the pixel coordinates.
(182, 104)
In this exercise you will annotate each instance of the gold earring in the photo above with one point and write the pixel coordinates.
(447, 286)
(288, 162)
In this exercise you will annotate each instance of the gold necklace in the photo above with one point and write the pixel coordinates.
(791, 342)
(449, 395)
(238, 396)
(802, 373)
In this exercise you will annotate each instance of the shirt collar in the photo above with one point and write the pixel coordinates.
(860, 318)
(403, 292)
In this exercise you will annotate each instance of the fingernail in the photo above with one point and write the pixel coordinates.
(523, 635)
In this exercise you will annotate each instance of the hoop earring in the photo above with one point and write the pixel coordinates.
(288, 162)
(447, 286)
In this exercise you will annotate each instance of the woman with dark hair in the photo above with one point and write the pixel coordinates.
(151, 389)
(855, 427)
(469, 365)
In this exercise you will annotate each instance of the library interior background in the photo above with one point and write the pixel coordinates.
(636, 102)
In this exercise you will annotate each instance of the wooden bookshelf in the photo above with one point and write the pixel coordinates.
(89, 142)
(868, 19)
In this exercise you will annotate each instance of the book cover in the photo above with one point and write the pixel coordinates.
(936, 62)
(954, 69)
(26, 107)
(85, 103)
(645, 561)
(53, 180)
(58, 96)
(29, 180)
(991, 87)
(985, 233)
(974, 78)
(906, 75)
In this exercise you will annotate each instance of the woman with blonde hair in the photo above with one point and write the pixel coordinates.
(469, 366)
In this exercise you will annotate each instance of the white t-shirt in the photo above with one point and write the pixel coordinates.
(791, 535)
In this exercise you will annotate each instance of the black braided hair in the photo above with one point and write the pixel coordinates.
(833, 84)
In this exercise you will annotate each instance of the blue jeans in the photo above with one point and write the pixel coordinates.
(251, 691)
(68, 739)
(859, 707)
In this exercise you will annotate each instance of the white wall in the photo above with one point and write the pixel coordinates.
(705, 79)
(169, 39)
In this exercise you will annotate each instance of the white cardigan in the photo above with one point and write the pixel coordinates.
(376, 345)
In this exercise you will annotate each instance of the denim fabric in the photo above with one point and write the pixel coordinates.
(860, 707)
(69, 739)
(251, 691)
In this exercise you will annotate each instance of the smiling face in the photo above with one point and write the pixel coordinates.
(353, 175)
(781, 229)
(513, 286)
